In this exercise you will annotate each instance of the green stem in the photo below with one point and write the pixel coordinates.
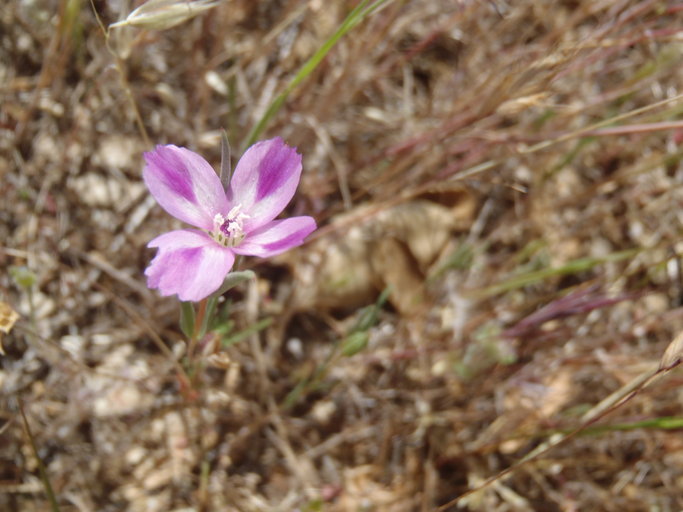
(41, 467)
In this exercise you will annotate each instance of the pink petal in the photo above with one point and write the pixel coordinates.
(189, 263)
(276, 237)
(185, 185)
(265, 180)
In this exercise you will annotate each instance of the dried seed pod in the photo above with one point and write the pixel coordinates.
(163, 14)
(673, 355)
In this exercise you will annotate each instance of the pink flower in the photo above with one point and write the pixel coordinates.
(193, 263)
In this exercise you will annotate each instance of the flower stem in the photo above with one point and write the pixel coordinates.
(199, 321)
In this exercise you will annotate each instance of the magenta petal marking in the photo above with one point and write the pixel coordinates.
(189, 264)
(265, 180)
(276, 237)
(185, 185)
(171, 171)
(276, 167)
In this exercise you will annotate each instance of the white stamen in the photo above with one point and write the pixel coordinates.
(229, 230)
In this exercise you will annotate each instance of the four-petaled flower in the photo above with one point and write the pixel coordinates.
(193, 263)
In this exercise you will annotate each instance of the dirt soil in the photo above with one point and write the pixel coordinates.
(508, 171)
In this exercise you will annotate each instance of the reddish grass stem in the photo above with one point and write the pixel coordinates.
(198, 323)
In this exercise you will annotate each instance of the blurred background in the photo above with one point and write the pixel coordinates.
(498, 190)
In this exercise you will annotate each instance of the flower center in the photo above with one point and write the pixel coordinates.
(228, 230)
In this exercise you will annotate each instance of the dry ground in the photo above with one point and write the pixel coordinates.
(559, 283)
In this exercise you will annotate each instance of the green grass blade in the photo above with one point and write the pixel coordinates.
(572, 267)
(252, 329)
(358, 14)
(54, 506)
(664, 423)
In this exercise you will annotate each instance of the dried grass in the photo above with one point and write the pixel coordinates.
(516, 102)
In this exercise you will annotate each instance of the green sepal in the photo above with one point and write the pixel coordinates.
(232, 280)
(208, 315)
(187, 319)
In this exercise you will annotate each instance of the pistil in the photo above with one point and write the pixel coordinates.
(229, 230)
